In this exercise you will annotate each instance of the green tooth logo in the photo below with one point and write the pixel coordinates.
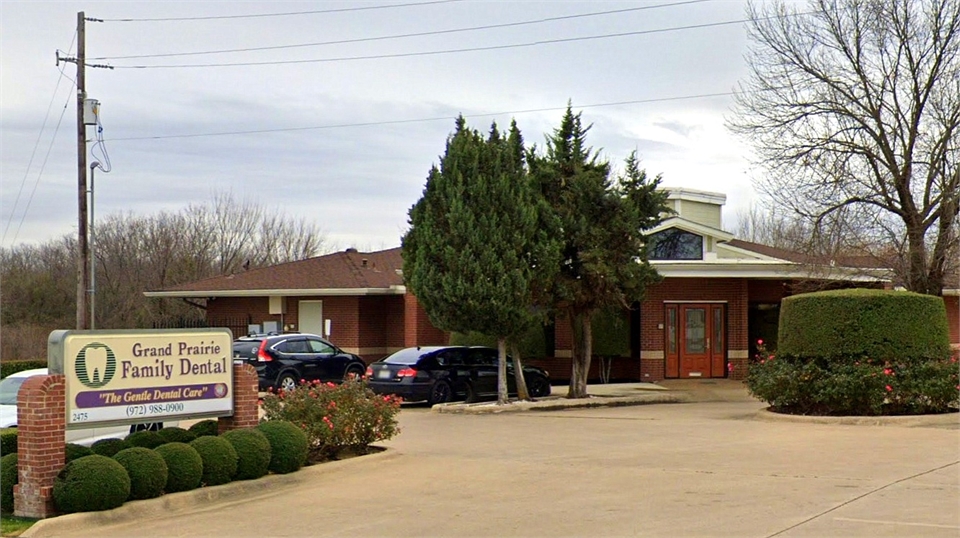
(96, 364)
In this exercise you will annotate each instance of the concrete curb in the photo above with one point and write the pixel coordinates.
(554, 404)
(903, 421)
(164, 505)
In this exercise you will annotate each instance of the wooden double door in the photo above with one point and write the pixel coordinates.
(695, 340)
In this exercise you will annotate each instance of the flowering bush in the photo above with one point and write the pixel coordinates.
(854, 385)
(335, 417)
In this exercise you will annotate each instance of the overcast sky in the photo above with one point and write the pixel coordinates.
(351, 140)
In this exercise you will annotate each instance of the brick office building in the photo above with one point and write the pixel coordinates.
(718, 296)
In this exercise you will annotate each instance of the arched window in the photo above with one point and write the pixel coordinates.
(675, 244)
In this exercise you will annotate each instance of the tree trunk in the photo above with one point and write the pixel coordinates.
(502, 371)
(582, 349)
(522, 393)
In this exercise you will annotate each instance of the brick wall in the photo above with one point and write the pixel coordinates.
(381, 326)
(41, 420)
(418, 331)
(953, 318)
(246, 407)
(767, 291)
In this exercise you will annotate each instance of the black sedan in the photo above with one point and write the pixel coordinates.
(443, 374)
(282, 360)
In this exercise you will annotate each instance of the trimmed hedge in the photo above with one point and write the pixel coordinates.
(206, 427)
(859, 352)
(253, 452)
(73, 451)
(8, 478)
(109, 447)
(289, 446)
(146, 439)
(8, 441)
(878, 324)
(12, 367)
(184, 467)
(219, 459)
(91, 483)
(147, 470)
(176, 435)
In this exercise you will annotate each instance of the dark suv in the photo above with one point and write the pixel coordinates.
(282, 360)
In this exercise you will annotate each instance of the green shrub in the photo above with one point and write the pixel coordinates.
(91, 483)
(611, 332)
(253, 452)
(109, 447)
(12, 367)
(8, 441)
(176, 435)
(288, 445)
(219, 459)
(532, 343)
(184, 466)
(146, 439)
(348, 415)
(8, 478)
(205, 427)
(147, 470)
(859, 323)
(74, 451)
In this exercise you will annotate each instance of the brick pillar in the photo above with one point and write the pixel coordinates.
(41, 422)
(246, 407)
(737, 368)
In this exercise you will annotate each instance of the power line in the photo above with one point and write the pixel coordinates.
(33, 153)
(409, 35)
(263, 15)
(423, 120)
(448, 51)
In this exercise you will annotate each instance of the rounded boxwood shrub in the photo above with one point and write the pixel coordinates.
(184, 466)
(147, 470)
(74, 451)
(288, 445)
(109, 447)
(253, 452)
(219, 459)
(91, 483)
(176, 435)
(8, 441)
(859, 352)
(8, 478)
(879, 324)
(146, 439)
(206, 427)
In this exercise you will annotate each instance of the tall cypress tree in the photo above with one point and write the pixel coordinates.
(603, 259)
(476, 252)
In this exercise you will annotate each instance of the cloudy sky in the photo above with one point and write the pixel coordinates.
(335, 119)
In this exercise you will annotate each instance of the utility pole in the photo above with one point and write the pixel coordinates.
(84, 261)
(83, 264)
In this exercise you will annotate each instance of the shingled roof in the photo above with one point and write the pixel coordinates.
(346, 272)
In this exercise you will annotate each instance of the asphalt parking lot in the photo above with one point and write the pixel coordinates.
(692, 469)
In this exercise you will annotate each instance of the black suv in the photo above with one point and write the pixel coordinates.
(282, 360)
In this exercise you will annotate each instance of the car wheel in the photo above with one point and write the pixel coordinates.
(441, 392)
(539, 387)
(286, 382)
(354, 371)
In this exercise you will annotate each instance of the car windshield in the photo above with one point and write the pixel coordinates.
(406, 356)
(9, 388)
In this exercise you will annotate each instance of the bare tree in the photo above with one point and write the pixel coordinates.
(854, 105)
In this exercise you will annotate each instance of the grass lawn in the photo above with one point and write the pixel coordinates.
(13, 526)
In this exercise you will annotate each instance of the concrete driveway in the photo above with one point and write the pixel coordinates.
(696, 469)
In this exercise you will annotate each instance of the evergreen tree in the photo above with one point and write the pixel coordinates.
(603, 256)
(476, 253)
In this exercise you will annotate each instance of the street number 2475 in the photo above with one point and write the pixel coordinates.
(80, 416)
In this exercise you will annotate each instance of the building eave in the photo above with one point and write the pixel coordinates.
(294, 292)
(764, 269)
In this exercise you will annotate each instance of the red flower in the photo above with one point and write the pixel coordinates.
(889, 388)
(887, 371)
(759, 341)
(729, 366)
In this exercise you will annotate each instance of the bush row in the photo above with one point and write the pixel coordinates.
(12, 367)
(113, 471)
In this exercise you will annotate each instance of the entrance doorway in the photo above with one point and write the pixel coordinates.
(695, 338)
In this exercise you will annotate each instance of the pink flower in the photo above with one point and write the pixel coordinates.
(759, 341)
(887, 371)
(770, 358)
(331, 385)
(729, 366)
(332, 405)
(889, 388)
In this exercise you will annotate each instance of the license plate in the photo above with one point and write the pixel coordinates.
(383, 374)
